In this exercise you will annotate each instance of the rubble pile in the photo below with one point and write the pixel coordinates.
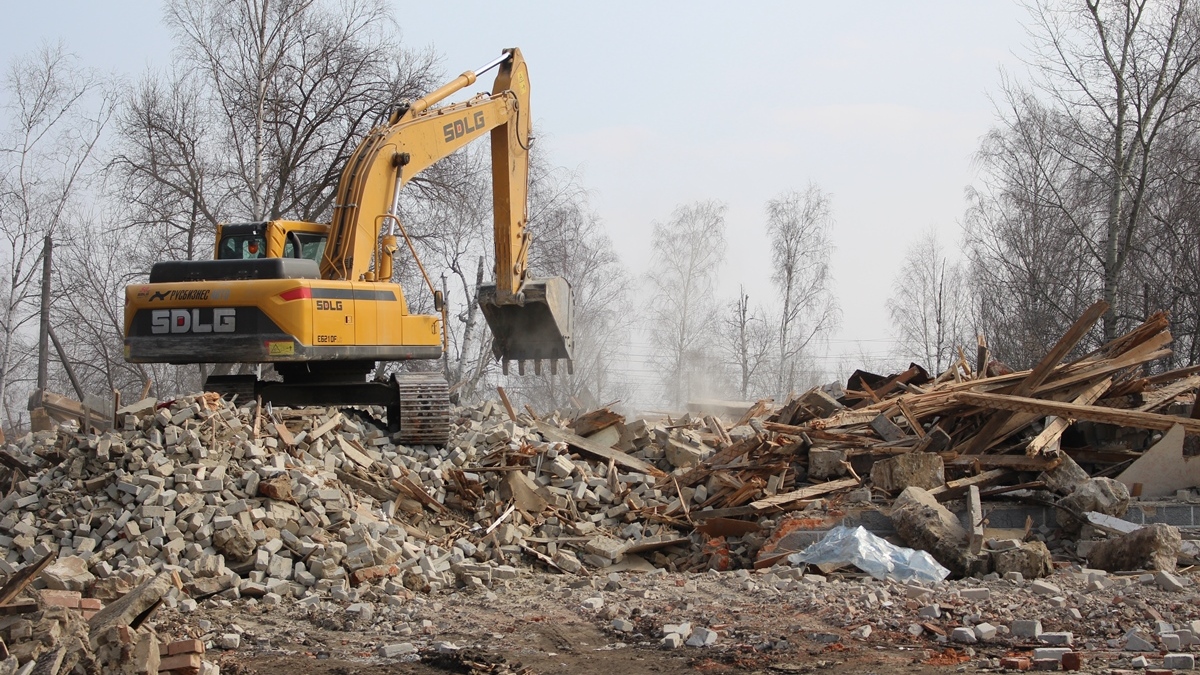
(200, 497)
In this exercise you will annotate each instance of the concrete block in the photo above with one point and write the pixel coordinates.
(1026, 628)
(1057, 638)
(1046, 588)
(1179, 661)
(963, 634)
(703, 637)
(395, 650)
(975, 593)
(985, 631)
(1055, 653)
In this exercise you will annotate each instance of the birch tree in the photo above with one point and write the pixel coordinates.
(748, 342)
(688, 250)
(1118, 76)
(798, 224)
(930, 306)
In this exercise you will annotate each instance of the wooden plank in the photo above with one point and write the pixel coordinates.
(555, 435)
(1054, 430)
(1091, 413)
(956, 488)
(22, 607)
(1164, 394)
(913, 422)
(805, 493)
(1090, 455)
(975, 520)
(413, 490)
(596, 420)
(512, 414)
(376, 490)
(982, 357)
(285, 435)
(353, 453)
(1039, 374)
(1014, 462)
(23, 577)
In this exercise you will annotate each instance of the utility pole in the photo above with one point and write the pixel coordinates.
(43, 375)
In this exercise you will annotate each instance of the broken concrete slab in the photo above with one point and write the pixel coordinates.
(1154, 547)
(927, 525)
(1102, 495)
(125, 610)
(68, 574)
(916, 469)
(1031, 560)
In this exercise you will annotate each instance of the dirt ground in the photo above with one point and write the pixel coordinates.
(537, 625)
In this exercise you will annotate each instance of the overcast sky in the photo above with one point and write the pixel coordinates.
(881, 104)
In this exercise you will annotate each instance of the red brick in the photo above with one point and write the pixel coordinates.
(89, 613)
(1015, 663)
(368, 574)
(91, 603)
(179, 662)
(68, 599)
(1072, 661)
(1159, 671)
(185, 647)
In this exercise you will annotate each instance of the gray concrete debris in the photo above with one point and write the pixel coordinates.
(1154, 547)
(1103, 495)
(914, 469)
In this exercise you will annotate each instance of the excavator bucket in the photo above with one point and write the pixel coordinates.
(532, 326)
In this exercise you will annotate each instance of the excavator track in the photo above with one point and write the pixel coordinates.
(423, 412)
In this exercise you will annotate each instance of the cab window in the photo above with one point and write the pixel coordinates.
(312, 246)
(242, 247)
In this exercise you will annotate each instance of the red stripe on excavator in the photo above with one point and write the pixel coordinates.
(302, 293)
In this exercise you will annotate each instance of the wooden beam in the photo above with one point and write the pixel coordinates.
(1054, 430)
(23, 577)
(1040, 373)
(1014, 462)
(957, 488)
(805, 493)
(512, 414)
(1091, 413)
(555, 435)
(1164, 394)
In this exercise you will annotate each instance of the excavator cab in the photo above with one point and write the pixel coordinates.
(531, 325)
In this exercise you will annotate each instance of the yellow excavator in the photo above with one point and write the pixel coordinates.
(317, 300)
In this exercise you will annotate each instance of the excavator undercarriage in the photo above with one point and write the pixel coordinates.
(417, 403)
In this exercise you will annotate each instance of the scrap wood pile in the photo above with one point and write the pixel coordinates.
(990, 431)
(983, 424)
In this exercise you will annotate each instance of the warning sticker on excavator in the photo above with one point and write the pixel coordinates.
(281, 348)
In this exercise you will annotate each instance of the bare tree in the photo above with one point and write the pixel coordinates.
(55, 117)
(688, 251)
(798, 224)
(748, 341)
(570, 242)
(930, 306)
(1118, 75)
(1032, 269)
(267, 100)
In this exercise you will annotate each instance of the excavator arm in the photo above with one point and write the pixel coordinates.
(530, 318)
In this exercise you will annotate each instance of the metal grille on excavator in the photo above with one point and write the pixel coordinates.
(424, 409)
